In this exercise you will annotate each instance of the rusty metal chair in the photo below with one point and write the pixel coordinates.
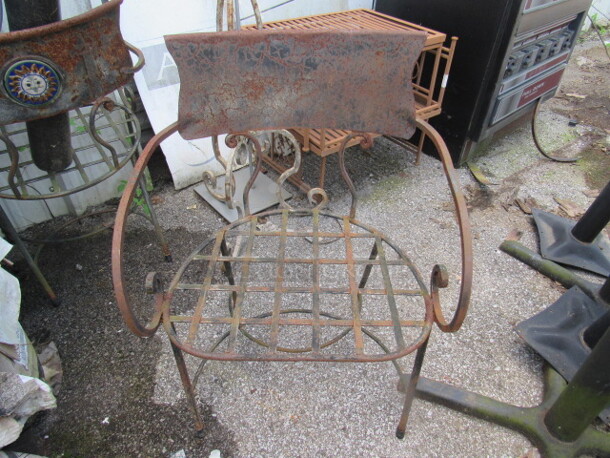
(296, 284)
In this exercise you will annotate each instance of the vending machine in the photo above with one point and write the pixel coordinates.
(510, 54)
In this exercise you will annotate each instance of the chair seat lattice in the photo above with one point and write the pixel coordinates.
(305, 285)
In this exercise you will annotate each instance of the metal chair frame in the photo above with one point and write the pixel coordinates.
(257, 308)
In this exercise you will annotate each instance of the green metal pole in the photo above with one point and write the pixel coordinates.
(595, 218)
(585, 396)
(548, 268)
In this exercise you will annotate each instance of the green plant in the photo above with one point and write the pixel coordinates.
(569, 136)
(138, 199)
(601, 28)
(77, 129)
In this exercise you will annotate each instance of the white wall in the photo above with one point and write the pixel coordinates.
(602, 9)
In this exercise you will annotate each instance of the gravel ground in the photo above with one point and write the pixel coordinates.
(121, 396)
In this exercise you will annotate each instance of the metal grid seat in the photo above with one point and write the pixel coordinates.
(303, 282)
(295, 284)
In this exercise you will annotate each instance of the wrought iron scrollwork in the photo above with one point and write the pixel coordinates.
(210, 180)
(366, 141)
(14, 167)
(109, 105)
(243, 145)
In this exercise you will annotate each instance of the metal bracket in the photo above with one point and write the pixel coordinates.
(558, 244)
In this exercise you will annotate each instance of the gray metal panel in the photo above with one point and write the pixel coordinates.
(554, 12)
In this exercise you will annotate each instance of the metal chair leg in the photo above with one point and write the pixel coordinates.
(188, 388)
(7, 226)
(155, 222)
(410, 391)
(368, 268)
(420, 147)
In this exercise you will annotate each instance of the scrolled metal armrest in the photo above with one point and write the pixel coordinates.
(153, 283)
(118, 242)
(140, 62)
(439, 277)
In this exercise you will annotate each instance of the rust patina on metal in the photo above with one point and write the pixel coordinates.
(84, 56)
(272, 80)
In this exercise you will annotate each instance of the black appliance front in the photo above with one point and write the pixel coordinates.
(510, 53)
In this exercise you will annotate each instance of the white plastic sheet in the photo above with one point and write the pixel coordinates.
(145, 22)
(11, 335)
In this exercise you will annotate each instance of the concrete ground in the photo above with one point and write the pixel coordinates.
(121, 396)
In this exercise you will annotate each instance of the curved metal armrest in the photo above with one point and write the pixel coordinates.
(439, 279)
(118, 242)
(139, 64)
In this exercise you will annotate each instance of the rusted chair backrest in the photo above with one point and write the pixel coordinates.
(240, 81)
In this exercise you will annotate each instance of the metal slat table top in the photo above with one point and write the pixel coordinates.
(356, 19)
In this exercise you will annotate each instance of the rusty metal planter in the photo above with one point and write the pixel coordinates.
(48, 71)
(52, 69)
(77, 60)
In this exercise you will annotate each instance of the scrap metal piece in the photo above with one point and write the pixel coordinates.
(557, 333)
(255, 88)
(548, 268)
(558, 244)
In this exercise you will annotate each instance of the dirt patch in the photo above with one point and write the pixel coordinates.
(479, 197)
(595, 162)
(585, 87)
